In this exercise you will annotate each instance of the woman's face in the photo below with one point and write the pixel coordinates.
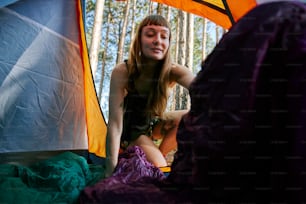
(155, 41)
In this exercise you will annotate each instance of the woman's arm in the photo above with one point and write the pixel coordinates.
(114, 128)
(168, 127)
(181, 75)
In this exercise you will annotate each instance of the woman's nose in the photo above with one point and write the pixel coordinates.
(156, 40)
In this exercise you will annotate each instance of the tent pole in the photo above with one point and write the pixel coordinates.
(228, 11)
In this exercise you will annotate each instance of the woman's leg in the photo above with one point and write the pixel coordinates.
(167, 129)
(153, 154)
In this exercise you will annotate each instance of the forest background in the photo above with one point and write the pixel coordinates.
(110, 26)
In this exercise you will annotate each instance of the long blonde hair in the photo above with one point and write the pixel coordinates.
(159, 94)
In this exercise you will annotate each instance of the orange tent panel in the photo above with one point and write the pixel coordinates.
(96, 125)
(218, 11)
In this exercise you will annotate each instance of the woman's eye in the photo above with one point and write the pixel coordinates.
(164, 37)
(150, 34)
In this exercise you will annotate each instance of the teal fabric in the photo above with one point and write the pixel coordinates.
(59, 179)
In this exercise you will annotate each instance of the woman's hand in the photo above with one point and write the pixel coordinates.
(109, 167)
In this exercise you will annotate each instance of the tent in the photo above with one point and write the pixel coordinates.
(223, 12)
(48, 102)
(47, 95)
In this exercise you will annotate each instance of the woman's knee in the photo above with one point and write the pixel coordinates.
(153, 154)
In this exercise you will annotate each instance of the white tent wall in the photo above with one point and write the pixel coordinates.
(41, 77)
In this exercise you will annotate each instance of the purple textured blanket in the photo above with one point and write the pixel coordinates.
(133, 176)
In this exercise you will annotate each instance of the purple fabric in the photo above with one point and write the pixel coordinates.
(244, 138)
(134, 177)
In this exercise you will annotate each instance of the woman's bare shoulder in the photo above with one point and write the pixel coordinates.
(121, 67)
(120, 70)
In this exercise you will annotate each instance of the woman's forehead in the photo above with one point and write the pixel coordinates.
(156, 28)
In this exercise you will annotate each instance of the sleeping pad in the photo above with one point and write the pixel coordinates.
(56, 180)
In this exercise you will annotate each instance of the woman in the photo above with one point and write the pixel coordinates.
(139, 92)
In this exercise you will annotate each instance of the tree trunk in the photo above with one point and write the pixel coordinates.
(123, 32)
(168, 14)
(96, 36)
(217, 34)
(204, 38)
(150, 7)
(133, 29)
(159, 9)
(181, 55)
(190, 40)
(189, 56)
(104, 57)
(176, 48)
